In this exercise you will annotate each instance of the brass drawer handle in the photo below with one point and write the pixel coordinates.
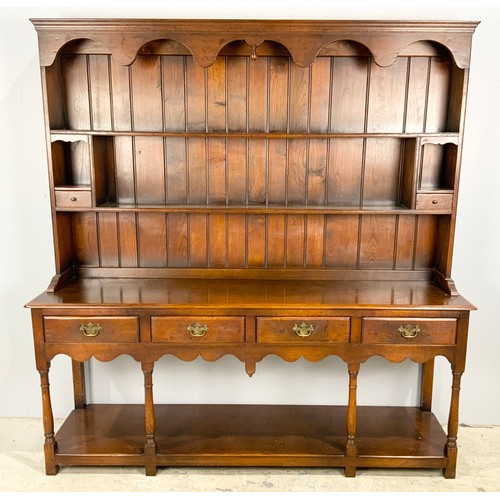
(197, 330)
(303, 330)
(409, 331)
(90, 330)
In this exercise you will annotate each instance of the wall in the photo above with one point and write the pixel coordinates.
(27, 258)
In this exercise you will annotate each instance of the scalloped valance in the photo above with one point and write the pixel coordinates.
(205, 38)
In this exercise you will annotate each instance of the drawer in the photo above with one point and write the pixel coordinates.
(67, 198)
(198, 329)
(323, 329)
(409, 331)
(438, 201)
(82, 329)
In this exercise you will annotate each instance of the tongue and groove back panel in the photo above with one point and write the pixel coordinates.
(253, 163)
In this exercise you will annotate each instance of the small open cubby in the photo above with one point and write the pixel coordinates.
(437, 167)
(83, 169)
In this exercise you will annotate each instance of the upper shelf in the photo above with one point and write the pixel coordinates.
(427, 138)
(124, 38)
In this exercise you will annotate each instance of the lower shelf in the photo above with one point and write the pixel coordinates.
(251, 435)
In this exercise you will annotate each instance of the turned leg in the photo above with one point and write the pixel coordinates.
(79, 384)
(427, 380)
(451, 449)
(149, 420)
(50, 445)
(351, 449)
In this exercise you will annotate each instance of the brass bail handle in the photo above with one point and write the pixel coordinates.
(303, 330)
(409, 331)
(90, 330)
(197, 330)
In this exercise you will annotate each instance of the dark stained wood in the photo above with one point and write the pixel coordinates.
(127, 233)
(214, 434)
(173, 84)
(217, 240)
(152, 240)
(86, 251)
(276, 240)
(386, 97)
(405, 241)
(121, 103)
(278, 93)
(125, 169)
(341, 246)
(177, 239)
(70, 197)
(417, 94)
(108, 240)
(244, 293)
(100, 95)
(281, 330)
(256, 241)
(236, 172)
(237, 92)
(344, 173)
(198, 237)
(317, 165)
(348, 101)
(381, 173)
(150, 170)
(146, 93)
(387, 330)
(215, 184)
(216, 96)
(76, 92)
(176, 175)
(79, 389)
(175, 329)
(295, 240)
(50, 444)
(427, 381)
(426, 241)
(437, 101)
(217, 173)
(352, 419)
(149, 420)
(315, 241)
(113, 329)
(377, 242)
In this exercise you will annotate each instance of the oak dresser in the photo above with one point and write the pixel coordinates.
(248, 188)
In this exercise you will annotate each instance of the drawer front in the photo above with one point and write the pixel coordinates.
(409, 331)
(73, 198)
(84, 329)
(323, 329)
(429, 201)
(205, 329)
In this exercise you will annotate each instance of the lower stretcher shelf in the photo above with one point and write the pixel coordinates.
(251, 435)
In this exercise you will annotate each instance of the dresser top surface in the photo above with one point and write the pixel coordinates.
(234, 293)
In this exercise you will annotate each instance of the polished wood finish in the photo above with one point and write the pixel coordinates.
(210, 329)
(391, 330)
(314, 329)
(275, 435)
(71, 329)
(253, 188)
